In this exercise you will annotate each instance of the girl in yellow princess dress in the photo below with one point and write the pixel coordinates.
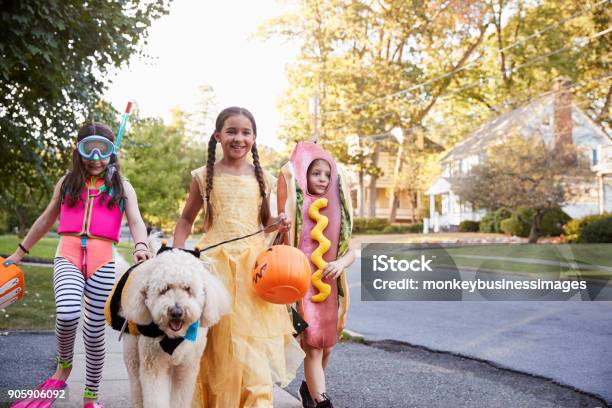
(252, 347)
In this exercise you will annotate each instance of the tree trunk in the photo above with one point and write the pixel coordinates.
(372, 187)
(393, 210)
(414, 200)
(534, 233)
(397, 171)
(361, 195)
(372, 203)
(21, 231)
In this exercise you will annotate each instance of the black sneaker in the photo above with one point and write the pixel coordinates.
(326, 403)
(307, 401)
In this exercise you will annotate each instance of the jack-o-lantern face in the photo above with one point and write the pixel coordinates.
(281, 274)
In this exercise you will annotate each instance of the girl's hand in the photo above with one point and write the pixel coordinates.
(285, 223)
(333, 269)
(280, 224)
(15, 258)
(141, 255)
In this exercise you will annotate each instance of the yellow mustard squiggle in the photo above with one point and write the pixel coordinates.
(317, 255)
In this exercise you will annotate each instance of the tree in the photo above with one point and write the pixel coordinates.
(523, 172)
(55, 57)
(200, 123)
(157, 160)
(28, 187)
(361, 56)
(441, 68)
(530, 44)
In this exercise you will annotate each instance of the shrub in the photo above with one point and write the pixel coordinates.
(395, 229)
(381, 226)
(513, 226)
(491, 222)
(487, 223)
(369, 225)
(571, 231)
(551, 224)
(403, 228)
(415, 228)
(553, 221)
(469, 226)
(597, 232)
(589, 229)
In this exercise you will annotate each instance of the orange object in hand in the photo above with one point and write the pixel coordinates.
(11, 284)
(281, 274)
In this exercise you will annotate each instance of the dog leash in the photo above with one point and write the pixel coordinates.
(196, 252)
(239, 238)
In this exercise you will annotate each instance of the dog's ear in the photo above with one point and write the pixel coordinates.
(216, 300)
(135, 292)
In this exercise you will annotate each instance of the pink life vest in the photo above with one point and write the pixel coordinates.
(90, 216)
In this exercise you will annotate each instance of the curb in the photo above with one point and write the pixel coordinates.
(388, 344)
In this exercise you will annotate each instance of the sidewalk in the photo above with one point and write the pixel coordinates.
(115, 388)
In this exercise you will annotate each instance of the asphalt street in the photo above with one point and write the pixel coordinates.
(567, 341)
(380, 374)
(388, 375)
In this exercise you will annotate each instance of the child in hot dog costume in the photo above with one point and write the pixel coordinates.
(314, 193)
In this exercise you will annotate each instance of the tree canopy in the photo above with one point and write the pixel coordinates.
(523, 172)
(435, 68)
(55, 61)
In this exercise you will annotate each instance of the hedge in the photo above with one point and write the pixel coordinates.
(551, 224)
(382, 226)
(589, 229)
(469, 226)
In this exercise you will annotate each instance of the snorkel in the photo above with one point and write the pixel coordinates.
(112, 167)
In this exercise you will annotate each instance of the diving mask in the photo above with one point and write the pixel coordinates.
(95, 147)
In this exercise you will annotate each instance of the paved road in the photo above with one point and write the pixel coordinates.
(569, 342)
(386, 375)
(380, 375)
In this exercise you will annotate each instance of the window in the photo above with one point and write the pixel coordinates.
(595, 157)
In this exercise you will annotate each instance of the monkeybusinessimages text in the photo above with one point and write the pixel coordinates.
(386, 263)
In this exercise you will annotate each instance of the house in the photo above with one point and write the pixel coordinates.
(410, 205)
(553, 118)
(604, 178)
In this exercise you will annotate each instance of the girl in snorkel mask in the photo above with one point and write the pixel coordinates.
(90, 202)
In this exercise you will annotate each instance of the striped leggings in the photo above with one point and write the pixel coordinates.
(70, 288)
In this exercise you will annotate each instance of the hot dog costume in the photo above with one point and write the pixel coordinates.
(325, 318)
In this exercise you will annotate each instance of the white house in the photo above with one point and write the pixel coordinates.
(555, 119)
(604, 178)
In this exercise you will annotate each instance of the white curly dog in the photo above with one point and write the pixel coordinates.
(172, 290)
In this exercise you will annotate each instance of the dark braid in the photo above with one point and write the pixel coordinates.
(264, 215)
(210, 170)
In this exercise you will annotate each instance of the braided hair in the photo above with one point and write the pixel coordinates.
(264, 214)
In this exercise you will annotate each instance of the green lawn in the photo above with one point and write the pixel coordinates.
(125, 249)
(588, 258)
(594, 254)
(36, 310)
(45, 248)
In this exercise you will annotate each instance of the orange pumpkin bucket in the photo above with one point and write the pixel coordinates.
(11, 284)
(281, 274)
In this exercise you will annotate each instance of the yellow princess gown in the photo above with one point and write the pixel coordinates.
(252, 347)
